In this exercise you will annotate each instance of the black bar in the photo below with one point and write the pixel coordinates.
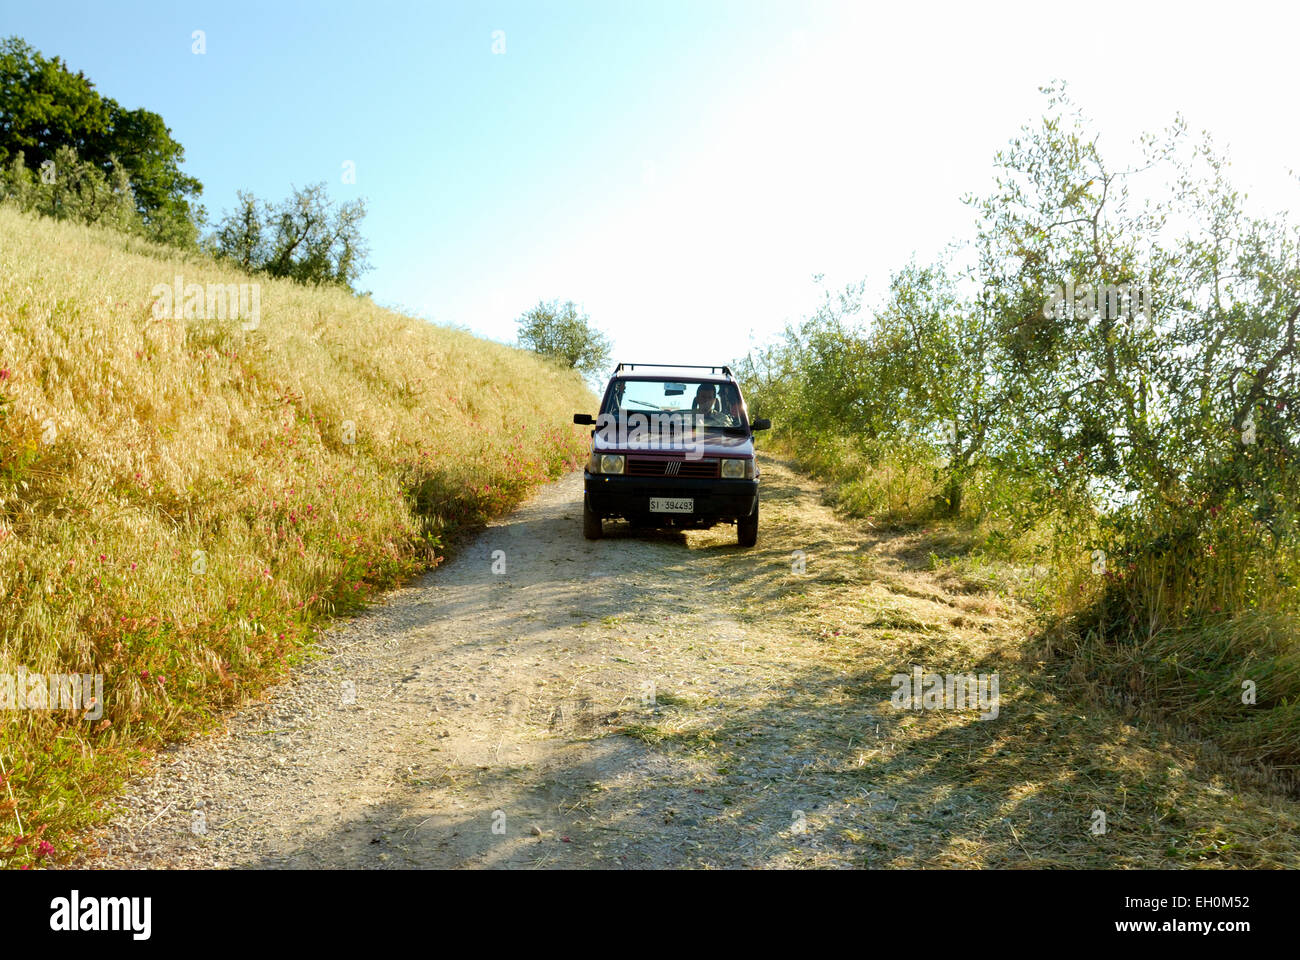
(932, 911)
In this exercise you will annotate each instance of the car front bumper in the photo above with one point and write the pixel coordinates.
(716, 499)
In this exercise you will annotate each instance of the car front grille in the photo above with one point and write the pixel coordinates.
(646, 467)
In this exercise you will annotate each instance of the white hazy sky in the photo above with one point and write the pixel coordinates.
(850, 140)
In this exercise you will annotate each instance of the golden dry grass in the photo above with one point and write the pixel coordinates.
(181, 501)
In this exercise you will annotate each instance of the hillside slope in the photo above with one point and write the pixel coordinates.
(183, 498)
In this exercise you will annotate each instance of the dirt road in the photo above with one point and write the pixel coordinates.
(668, 700)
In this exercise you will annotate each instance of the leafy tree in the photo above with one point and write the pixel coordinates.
(165, 197)
(1147, 398)
(934, 353)
(914, 374)
(304, 238)
(45, 107)
(1154, 411)
(240, 236)
(1169, 415)
(558, 331)
(72, 189)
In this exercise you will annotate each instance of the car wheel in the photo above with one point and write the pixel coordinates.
(747, 528)
(590, 521)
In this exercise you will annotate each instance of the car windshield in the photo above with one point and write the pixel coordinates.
(708, 403)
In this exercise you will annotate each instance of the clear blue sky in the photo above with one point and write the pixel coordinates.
(680, 169)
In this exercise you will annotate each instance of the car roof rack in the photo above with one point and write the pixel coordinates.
(726, 371)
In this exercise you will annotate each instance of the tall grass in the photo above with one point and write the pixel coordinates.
(1190, 615)
(182, 502)
(897, 487)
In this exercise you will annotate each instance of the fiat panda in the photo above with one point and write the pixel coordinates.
(672, 447)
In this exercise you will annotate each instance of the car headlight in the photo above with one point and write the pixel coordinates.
(734, 469)
(612, 463)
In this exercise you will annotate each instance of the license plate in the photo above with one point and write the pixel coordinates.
(672, 505)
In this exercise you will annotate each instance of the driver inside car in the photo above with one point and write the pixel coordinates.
(706, 398)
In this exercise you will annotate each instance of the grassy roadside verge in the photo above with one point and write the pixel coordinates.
(1228, 677)
(184, 502)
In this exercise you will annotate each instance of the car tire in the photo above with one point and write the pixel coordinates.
(747, 528)
(590, 521)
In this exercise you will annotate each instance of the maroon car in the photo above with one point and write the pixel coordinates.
(672, 447)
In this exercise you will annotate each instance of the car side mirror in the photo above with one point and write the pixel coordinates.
(763, 424)
(584, 419)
